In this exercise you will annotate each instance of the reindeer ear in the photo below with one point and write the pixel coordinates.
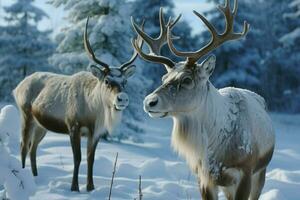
(96, 71)
(129, 71)
(208, 65)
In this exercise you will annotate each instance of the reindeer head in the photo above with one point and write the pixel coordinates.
(182, 89)
(186, 84)
(112, 80)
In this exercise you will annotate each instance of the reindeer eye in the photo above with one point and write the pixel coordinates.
(106, 82)
(187, 82)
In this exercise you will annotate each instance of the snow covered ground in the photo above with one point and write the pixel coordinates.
(164, 175)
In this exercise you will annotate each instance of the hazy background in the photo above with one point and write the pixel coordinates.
(56, 15)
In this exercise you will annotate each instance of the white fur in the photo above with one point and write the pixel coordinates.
(198, 135)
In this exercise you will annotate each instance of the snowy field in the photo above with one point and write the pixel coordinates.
(164, 175)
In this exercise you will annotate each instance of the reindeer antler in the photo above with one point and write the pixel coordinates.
(153, 58)
(217, 39)
(140, 42)
(155, 44)
(89, 49)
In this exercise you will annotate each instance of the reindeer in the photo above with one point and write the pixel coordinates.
(225, 135)
(85, 103)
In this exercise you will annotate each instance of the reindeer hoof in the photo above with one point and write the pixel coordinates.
(34, 172)
(90, 187)
(75, 188)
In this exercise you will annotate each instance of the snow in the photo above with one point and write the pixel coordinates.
(294, 4)
(26, 6)
(18, 183)
(290, 38)
(164, 174)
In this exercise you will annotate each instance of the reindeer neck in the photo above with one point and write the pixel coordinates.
(213, 110)
(96, 101)
(195, 132)
(208, 115)
(106, 115)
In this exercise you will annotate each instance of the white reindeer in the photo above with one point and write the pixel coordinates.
(225, 135)
(84, 103)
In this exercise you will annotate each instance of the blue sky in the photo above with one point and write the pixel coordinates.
(56, 15)
(187, 6)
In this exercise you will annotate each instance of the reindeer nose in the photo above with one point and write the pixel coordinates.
(119, 99)
(122, 97)
(152, 101)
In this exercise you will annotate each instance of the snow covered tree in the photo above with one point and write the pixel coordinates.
(107, 27)
(292, 38)
(110, 37)
(291, 42)
(23, 48)
(149, 10)
(265, 61)
(281, 81)
(15, 183)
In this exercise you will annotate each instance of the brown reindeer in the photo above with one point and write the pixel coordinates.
(86, 103)
(225, 135)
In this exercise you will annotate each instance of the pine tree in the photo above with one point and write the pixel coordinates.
(110, 37)
(108, 27)
(23, 48)
(266, 61)
(283, 62)
(270, 27)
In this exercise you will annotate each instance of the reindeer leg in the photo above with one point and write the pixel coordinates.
(39, 134)
(27, 126)
(76, 148)
(91, 149)
(258, 181)
(244, 187)
(208, 192)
